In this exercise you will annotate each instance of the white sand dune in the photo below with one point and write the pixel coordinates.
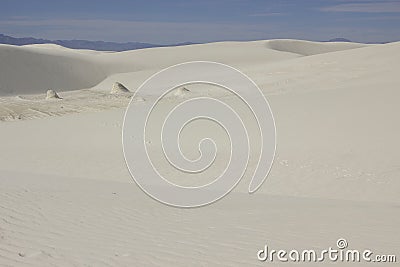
(31, 70)
(51, 66)
(307, 48)
(67, 199)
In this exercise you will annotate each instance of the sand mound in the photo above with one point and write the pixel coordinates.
(139, 99)
(307, 48)
(119, 88)
(181, 92)
(51, 94)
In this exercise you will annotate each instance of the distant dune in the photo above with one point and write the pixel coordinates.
(29, 70)
(307, 48)
(47, 66)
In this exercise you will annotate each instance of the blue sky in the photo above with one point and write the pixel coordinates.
(163, 22)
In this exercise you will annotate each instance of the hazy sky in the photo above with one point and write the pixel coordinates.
(172, 21)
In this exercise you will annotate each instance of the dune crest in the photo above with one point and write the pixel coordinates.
(307, 48)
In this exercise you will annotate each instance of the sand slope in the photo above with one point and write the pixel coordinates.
(27, 70)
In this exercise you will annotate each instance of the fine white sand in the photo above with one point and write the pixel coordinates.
(67, 199)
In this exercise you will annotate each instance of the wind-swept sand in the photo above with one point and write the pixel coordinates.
(67, 199)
